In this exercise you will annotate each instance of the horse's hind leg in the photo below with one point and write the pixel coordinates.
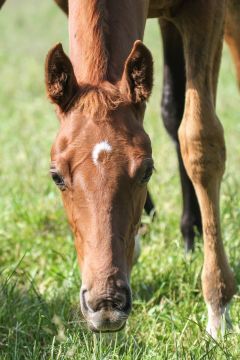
(202, 143)
(232, 33)
(172, 112)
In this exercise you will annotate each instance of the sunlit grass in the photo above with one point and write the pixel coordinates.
(39, 285)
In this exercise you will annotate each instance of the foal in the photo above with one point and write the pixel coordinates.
(101, 158)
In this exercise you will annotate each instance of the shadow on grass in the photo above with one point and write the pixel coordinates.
(175, 282)
(32, 327)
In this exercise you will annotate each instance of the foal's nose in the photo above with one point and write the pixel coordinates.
(120, 300)
(106, 313)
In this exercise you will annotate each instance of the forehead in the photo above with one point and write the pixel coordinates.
(120, 134)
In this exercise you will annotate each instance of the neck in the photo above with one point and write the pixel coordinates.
(101, 36)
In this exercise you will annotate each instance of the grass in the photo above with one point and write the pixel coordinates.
(39, 276)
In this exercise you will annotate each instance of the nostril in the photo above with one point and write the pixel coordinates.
(119, 300)
(90, 303)
(84, 301)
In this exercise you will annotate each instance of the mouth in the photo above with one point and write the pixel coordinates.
(97, 331)
(106, 322)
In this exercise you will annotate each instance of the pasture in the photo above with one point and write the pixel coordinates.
(39, 275)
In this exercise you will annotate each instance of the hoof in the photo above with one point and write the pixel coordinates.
(218, 320)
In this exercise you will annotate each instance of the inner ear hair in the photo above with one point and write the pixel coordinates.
(139, 73)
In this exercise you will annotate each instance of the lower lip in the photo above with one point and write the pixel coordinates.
(93, 329)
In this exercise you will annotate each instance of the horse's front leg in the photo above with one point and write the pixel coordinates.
(173, 99)
(202, 144)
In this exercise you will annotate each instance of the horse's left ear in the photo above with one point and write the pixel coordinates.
(137, 79)
(60, 80)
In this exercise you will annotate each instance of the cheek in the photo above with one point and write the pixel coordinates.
(139, 202)
(78, 218)
(140, 198)
(79, 249)
(68, 206)
(130, 251)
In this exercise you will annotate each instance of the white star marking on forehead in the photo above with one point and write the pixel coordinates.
(98, 148)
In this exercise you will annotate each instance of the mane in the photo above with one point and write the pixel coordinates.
(92, 27)
(98, 97)
(97, 54)
(96, 101)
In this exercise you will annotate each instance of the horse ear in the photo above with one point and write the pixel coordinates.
(61, 83)
(137, 79)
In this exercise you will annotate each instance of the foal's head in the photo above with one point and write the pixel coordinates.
(101, 161)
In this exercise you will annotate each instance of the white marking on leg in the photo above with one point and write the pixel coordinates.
(98, 148)
(218, 320)
(214, 320)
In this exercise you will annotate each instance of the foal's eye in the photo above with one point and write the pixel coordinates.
(147, 175)
(58, 179)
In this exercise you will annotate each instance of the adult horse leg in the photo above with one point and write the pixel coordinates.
(1, 3)
(202, 144)
(63, 4)
(172, 112)
(232, 33)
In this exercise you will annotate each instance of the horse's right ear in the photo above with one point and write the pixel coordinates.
(61, 83)
(137, 79)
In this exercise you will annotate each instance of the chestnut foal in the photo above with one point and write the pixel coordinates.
(102, 158)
